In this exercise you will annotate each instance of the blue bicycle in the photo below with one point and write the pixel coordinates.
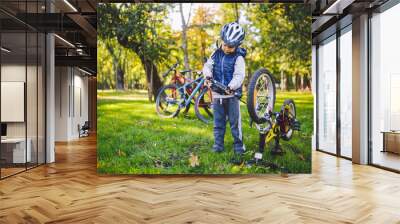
(181, 93)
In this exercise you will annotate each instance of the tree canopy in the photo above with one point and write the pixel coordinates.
(136, 42)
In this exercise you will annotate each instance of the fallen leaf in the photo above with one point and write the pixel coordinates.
(159, 164)
(194, 160)
(121, 153)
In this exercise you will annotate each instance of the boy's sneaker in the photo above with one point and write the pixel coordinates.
(237, 159)
(239, 149)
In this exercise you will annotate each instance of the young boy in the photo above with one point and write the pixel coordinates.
(227, 66)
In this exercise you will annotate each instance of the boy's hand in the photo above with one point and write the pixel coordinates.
(207, 83)
(229, 91)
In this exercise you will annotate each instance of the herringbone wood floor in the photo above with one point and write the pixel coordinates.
(70, 191)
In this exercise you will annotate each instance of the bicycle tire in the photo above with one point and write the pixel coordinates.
(207, 109)
(289, 134)
(252, 103)
(159, 100)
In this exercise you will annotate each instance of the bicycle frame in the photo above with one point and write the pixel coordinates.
(272, 133)
(277, 127)
(199, 84)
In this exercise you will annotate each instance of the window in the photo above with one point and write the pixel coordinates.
(346, 92)
(327, 95)
(385, 87)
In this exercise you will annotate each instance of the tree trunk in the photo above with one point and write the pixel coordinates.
(184, 38)
(237, 12)
(119, 71)
(152, 77)
(294, 79)
(120, 78)
(283, 81)
(203, 48)
(149, 67)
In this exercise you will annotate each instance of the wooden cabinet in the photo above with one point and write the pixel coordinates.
(391, 142)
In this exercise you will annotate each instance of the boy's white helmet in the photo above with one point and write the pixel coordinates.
(232, 34)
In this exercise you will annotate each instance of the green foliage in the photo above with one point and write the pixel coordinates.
(202, 31)
(282, 37)
(132, 139)
(277, 38)
(105, 73)
(140, 26)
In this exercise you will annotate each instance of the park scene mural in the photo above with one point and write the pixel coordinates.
(190, 88)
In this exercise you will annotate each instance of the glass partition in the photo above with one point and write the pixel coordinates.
(13, 95)
(22, 78)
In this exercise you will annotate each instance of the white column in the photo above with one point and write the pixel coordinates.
(360, 90)
(50, 93)
(314, 92)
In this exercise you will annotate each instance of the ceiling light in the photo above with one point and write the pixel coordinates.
(86, 72)
(338, 6)
(64, 40)
(5, 50)
(70, 5)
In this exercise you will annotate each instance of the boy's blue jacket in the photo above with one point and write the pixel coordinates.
(224, 65)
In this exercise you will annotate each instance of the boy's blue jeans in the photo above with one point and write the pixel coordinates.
(222, 109)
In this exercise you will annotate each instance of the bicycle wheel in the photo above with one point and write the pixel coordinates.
(261, 96)
(203, 106)
(168, 100)
(289, 117)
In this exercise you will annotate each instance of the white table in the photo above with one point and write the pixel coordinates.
(19, 154)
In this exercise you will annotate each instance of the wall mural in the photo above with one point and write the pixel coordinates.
(187, 88)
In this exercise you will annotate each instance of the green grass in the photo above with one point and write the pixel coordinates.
(132, 139)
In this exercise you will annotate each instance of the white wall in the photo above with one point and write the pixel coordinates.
(62, 81)
(33, 126)
(71, 94)
(14, 73)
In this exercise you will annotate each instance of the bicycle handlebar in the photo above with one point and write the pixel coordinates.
(221, 88)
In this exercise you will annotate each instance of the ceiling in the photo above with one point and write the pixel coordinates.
(329, 15)
(74, 22)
